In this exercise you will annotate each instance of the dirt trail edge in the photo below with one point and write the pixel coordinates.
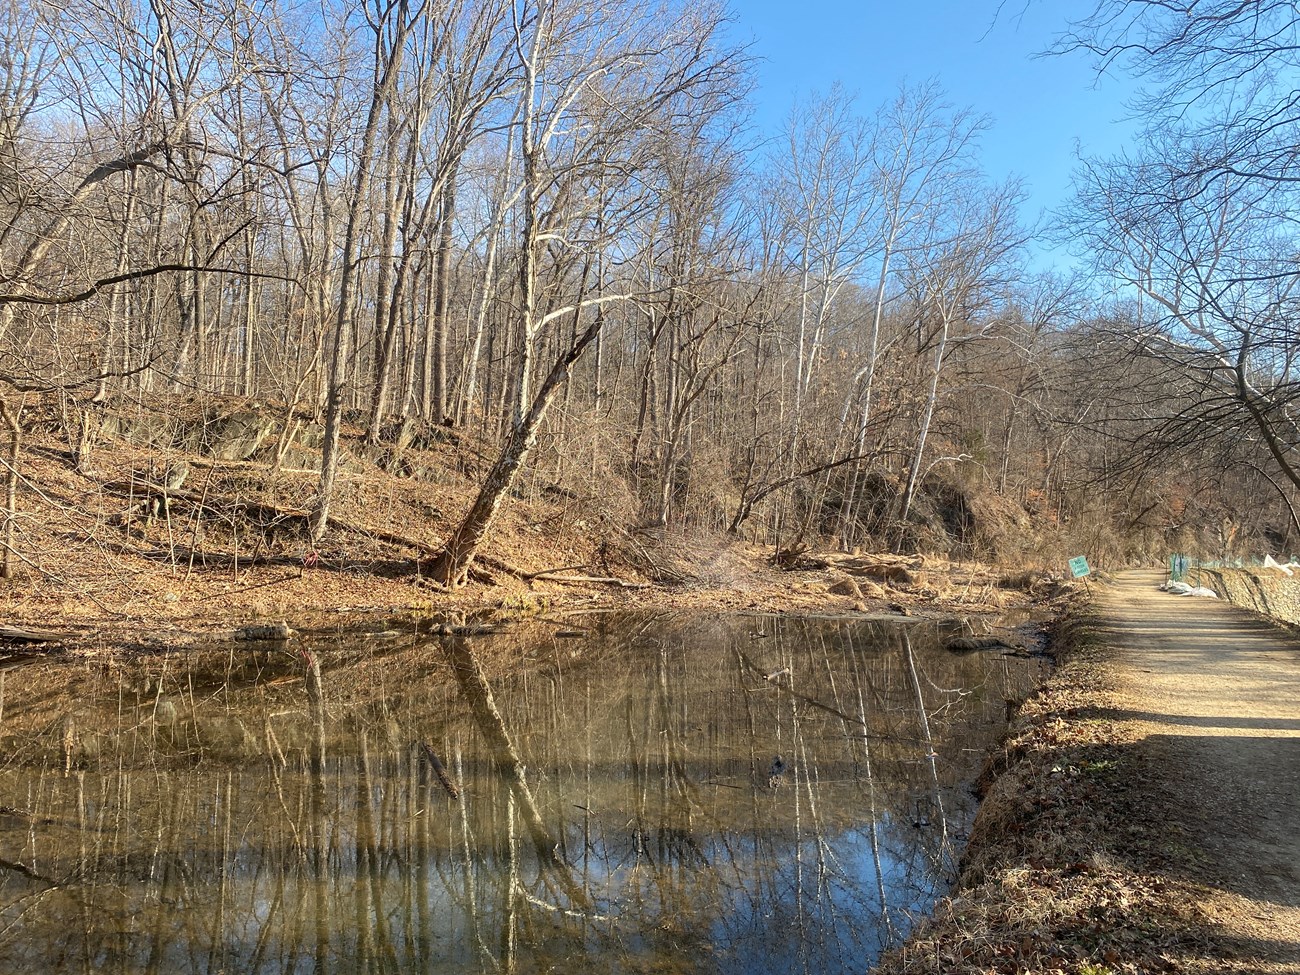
(1143, 814)
(1214, 692)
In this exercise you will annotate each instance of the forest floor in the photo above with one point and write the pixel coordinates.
(1144, 815)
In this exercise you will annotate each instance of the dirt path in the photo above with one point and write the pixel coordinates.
(1214, 695)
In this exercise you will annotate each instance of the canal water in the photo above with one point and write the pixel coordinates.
(611, 793)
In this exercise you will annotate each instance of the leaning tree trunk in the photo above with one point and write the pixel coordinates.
(487, 716)
(450, 567)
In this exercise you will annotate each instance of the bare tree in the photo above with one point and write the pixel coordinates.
(391, 23)
(952, 281)
(828, 164)
(924, 146)
(1222, 69)
(595, 81)
(1212, 258)
(463, 66)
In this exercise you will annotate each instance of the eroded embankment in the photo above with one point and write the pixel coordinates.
(1075, 864)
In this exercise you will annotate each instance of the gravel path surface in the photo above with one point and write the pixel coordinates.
(1214, 692)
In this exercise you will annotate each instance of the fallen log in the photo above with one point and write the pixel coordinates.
(277, 632)
(589, 580)
(883, 570)
(465, 629)
(21, 634)
(145, 489)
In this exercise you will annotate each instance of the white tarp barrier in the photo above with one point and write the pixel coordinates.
(1183, 589)
(1269, 563)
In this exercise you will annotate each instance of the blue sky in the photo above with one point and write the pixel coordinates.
(982, 57)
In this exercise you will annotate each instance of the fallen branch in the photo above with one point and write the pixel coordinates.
(440, 771)
(588, 580)
(972, 644)
(542, 572)
(141, 488)
(28, 872)
(770, 676)
(20, 634)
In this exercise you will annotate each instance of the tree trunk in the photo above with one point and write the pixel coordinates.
(339, 362)
(450, 567)
(11, 486)
(918, 455)
(442, 302)
(386, 297)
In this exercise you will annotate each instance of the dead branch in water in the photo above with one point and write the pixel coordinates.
(440, 771)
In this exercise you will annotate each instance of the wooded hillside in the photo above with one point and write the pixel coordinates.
(545, 229)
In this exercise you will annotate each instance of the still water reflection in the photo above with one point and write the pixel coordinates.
(654, 794)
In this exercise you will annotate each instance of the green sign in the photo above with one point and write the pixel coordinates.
(1079, 566)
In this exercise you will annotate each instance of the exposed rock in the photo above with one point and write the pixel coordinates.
(246, 433)
(888, 573)
(236, 436)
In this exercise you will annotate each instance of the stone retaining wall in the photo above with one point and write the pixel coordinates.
(1266, 591)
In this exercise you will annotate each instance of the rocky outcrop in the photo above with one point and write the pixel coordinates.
(250, 431)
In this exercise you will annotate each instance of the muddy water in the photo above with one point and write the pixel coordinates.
(607, 794)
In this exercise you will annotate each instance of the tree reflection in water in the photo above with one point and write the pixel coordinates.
(618, 806)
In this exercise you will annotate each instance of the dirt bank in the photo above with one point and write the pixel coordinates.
(152, 605)
(1143, 816)
(126, 542)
